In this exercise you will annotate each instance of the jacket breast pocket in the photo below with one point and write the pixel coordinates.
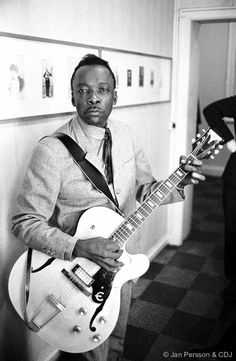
(129, 171)
(129, 163)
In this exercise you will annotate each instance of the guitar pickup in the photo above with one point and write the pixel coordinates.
(79, 282)
(83, 275)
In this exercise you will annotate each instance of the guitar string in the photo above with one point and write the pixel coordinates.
(120, 231)
(68, 289)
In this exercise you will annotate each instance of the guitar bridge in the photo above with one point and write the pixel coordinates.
(45, 313)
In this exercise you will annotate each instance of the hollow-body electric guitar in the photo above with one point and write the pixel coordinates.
(74, 305)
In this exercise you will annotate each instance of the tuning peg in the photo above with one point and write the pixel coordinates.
(193, 140)
(212, 157)
(203, 130)
(220, 146)
(198, 135)
(216, 151)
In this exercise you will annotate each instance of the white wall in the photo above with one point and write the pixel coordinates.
(135, 25)
(213, 42)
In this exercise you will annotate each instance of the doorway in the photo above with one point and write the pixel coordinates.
(185, 100)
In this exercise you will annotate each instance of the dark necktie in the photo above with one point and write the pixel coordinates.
(106, 155)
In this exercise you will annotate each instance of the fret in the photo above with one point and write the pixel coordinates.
(159, 194)
(147, 208)
(121, 234)
(129, 227)
(175, 178)
(139, 215)
(155, 198)
(118, 242)
(116, 236)
(134, 220)
(169, 184)
(180, 173)
(150, 203)
(164, 189)
(125, 231)
(143, 211)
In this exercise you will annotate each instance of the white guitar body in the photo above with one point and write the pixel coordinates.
(59, 311)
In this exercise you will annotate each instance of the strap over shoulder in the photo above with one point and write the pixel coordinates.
(89, 170)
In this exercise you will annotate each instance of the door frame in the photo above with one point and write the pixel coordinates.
(184, 102)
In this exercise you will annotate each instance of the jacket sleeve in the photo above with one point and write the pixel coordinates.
(146, 183)
(36, 203)
(215, 112)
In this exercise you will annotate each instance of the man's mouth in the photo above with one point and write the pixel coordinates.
(93, 110)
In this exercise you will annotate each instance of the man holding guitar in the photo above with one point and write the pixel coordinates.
(57, 191)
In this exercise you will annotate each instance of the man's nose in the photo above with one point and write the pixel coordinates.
(93, 99)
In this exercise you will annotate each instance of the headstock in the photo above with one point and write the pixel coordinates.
(206, 144)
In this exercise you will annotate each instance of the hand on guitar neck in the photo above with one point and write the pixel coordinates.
(99, 250)
(194, 171)
(106, 253)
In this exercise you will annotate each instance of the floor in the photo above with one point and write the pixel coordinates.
(177, 307)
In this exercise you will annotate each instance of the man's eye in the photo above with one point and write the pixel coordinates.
(103, 89)
(82, 90)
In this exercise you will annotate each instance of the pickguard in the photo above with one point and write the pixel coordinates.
(102, 286)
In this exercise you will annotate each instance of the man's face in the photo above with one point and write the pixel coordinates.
(94, 94)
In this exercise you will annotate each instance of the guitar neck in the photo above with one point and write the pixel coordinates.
(154, 200)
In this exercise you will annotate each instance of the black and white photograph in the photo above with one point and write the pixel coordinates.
(141, 76)
(129, 77)
(16, 86)
(47, 78)
(118, 180)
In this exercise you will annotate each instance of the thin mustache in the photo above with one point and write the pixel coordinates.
(93, 108)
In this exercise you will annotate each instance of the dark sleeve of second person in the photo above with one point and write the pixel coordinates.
(215, 112)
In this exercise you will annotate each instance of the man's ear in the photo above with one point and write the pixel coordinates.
(115, 97)
(72, 99)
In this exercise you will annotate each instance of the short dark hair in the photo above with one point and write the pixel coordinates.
(91, 59)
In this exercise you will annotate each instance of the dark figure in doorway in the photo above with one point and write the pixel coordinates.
(215, 114)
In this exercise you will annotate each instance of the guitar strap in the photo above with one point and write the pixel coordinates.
(93, 175)
(27, 283)
(89, 170)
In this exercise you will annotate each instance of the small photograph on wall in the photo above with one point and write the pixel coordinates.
(72, 62)
(141, 76)
(116, 73)
(129, 77)
(16, 84)
(47, 79)
(152, 78)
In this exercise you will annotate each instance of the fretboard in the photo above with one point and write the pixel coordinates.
(150, 204)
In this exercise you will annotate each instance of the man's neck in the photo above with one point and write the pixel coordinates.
(91, 130)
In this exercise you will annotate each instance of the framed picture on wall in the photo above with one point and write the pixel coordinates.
(35, 75)
(143, 78)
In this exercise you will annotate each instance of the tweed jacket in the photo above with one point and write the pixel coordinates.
(214, 114)
(55, 192)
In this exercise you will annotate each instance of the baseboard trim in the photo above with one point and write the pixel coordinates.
(157, 248)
